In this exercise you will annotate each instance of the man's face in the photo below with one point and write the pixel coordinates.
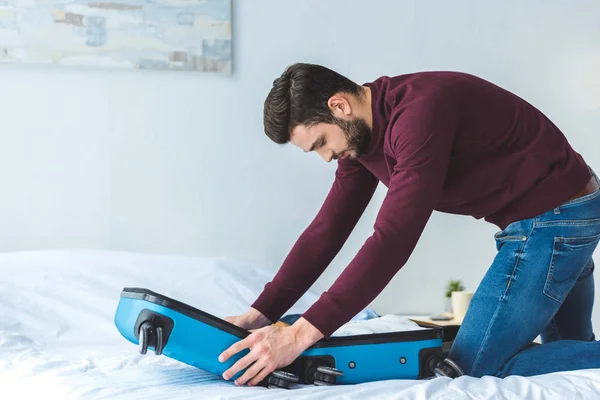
(347, 139)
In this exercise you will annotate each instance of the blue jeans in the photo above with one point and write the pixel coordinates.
(540, 283)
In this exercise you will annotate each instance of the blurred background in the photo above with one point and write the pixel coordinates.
(177, 163)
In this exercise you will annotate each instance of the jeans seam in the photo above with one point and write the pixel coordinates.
(550, 271)
(487, 332)
(566, 222)
(555, 329)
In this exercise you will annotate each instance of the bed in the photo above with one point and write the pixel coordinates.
(58, 339)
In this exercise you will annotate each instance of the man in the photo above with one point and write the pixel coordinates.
(453, 143)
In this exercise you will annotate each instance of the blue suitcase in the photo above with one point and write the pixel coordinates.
(184, 333)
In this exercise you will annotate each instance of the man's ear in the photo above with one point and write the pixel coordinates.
(339, 106)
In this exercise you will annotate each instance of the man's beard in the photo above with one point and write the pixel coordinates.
(357, 133)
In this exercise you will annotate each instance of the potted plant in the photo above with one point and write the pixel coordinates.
(453, 286)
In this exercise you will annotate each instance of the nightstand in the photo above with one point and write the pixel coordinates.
(425, 320)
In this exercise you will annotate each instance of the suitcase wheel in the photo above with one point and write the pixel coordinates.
(151, 335)
(281, 380)
(448, 368)
(326, 376)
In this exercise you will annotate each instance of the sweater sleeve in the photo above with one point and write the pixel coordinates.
(421, 141)
(351, 192)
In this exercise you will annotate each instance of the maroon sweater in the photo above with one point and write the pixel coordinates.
(443, 141)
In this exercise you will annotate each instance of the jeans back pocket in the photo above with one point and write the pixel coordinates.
(569, 257)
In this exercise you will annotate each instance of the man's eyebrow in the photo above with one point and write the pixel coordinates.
(314, 145)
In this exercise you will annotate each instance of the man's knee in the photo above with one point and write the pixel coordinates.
(491, 367)
(476, 369)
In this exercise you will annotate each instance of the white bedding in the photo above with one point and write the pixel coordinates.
(58, 339)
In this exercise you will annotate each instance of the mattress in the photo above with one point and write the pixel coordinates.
(58, 339)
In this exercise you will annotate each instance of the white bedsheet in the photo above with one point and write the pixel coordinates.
(58, 339)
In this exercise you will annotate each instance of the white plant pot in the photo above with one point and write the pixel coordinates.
(460, 303)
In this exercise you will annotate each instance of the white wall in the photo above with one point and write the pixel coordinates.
(178, 163)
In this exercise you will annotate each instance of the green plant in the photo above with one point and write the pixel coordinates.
(454, 286)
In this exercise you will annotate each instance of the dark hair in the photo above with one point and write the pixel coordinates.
(299, 97)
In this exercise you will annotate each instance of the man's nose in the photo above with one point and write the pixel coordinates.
(327, 155)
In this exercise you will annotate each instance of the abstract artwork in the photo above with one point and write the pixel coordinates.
(184, 35)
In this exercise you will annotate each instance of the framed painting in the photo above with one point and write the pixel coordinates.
(182, 35)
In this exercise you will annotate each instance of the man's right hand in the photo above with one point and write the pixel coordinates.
(253, 319)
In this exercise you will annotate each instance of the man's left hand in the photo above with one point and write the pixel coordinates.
(271, 348)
